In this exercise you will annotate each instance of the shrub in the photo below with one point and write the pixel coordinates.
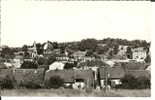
(6, 83)
(129, 82)
(30, 85)
(69, 66)
(143, 82)
(29, 65)
(54, 82)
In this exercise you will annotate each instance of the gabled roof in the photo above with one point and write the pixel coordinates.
(79, 53)
(18, 57)
(93, 63)
(139, 49)
(113, 72)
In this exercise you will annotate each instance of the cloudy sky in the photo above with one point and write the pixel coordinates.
(24, 21)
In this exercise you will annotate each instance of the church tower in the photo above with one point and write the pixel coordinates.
(34, 53)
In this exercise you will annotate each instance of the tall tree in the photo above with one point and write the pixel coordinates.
(25, 49)
(88, 44)
(7, 53)
(39, 48)
(129, 53)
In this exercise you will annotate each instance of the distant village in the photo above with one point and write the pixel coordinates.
(88, 63)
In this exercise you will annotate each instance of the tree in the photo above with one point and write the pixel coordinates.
(6, 83)
(54, 82)
(88, 44)
(116, 50)
(129, 53)
(129, 82)
(70, 65)
(89, 53)
(7, 53)
(110, 55)
(29, 65)
(55, 45)
(148, 59)
(39, 48)
(25, 49)
(51, 59)
(143, 82)
(102, 50)
(42, 61)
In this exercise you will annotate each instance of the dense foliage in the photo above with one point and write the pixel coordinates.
(29, 65)
(54, 82)
(6, 83)
(130, 82)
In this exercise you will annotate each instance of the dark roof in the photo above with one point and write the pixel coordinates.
(139, 73)
(113, 72)
(93, 63)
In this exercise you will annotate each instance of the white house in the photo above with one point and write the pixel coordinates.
(57, 65)
(139, 53)
(18, 60)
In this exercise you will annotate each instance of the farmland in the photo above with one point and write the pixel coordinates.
(76, 93)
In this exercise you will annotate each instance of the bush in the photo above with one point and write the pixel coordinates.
(143, 82)
(54, 82)
(130, 82)
(29, 65)
(69, 66)
(30, 85)
(6, 83)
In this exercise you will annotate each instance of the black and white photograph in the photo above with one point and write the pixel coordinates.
(75, 48)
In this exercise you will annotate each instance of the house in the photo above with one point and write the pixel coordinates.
(74, 78)
(139, 54)
(48, 47)
(21, 53)
(62, 57)
(56, 65)
(148, 68)
(8, 64)
(85, 77)
(18, 60)
(91, 64)
(112, 74)
(33, 50)
(56, 51)
(79, 55)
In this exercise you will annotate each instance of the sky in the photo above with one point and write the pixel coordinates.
(26, 21)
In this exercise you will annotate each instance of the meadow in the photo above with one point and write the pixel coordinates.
(76, 93)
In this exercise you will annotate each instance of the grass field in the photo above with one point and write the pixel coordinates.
(76, 93)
